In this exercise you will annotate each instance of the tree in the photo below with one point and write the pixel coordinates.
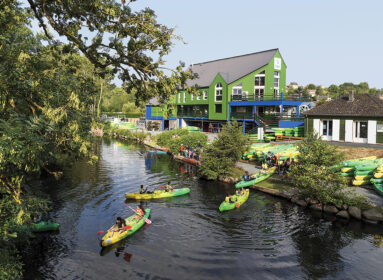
(313, 175)
(311, 86)
(220, 157)
(132, 43)
(333, 90)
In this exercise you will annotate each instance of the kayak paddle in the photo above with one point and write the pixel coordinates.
(146, 220)
(101, 231)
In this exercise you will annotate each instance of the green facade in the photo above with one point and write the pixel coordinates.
(247, 85)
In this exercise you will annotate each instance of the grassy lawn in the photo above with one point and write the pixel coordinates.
(274, 184)
(356, 152)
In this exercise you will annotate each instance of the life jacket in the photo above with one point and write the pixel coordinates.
(246, 177)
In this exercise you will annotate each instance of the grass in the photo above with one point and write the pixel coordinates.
(358, 152)
(274, 184)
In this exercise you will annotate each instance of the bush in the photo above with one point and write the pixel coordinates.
(164, 138)
(221, 156)
(190, 139)
(313, 176)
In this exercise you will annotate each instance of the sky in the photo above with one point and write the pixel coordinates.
(322, 41)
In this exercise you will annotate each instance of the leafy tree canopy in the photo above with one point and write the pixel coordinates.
(111, 34)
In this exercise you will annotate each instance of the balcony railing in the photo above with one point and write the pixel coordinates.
(266, 117)
(242, 116)
(194, 114)
(254, 97)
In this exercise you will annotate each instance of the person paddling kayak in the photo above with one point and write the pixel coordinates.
(143, 190)
(246, 176)
(168, 187)
(118, 227)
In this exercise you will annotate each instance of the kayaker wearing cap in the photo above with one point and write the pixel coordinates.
(229, 198)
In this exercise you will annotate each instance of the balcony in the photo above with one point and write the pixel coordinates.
(241, 116)
(193, 114)
(253, 97)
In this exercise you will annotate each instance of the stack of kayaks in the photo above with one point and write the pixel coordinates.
(238, 201)
(377, 180)
(259, 177)
(125, 125)
(299, 131)
(110, 238)
(253, 137)
(158, 194)
(278, 131)
(288, 132)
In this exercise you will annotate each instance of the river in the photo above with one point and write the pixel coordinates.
(267, 238)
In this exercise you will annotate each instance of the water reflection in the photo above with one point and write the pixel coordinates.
(266, 238)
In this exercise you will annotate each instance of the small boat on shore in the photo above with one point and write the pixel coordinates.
(158, 152)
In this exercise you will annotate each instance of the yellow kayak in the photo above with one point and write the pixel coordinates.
(378, 175)
(158, 194)
(136, 223)
(360, 182)
(347, 169)
(363, 177)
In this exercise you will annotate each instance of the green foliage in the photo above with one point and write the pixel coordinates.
(46, 100)
(220, 157)
(164, 138)
(131, 43)
(313, 176)
(173, 139)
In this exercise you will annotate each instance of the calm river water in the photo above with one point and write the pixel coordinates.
(267, 238)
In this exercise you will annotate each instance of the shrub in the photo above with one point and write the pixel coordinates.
(164, 138)
(313, 175)
(220, 157)
(190, 139)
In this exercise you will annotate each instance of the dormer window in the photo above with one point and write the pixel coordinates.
(218, 92)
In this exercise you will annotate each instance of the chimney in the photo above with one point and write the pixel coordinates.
(351, 96)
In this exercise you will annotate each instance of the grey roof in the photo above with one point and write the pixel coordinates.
(363, 105)
(231, 69)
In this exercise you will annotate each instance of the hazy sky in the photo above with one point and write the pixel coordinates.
(321, 41)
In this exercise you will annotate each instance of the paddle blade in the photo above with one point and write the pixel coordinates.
(100, 232)
(127, 257)
(237, 205)
(149, 222)
(127, 227)
(162, 187)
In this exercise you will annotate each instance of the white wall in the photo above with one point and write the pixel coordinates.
(348, 131)
(335, 130)
(316, 126)
(371, 132)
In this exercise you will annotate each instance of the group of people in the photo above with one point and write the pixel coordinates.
(282, 166)
(233, 199)
(167, 188)
(191, 152)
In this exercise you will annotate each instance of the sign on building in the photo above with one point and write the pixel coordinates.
(277, 63)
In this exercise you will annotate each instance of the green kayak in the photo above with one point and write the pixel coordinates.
(239, 200)
(376, 181)
(364, 172)
(364, 167)
(259, 177)
(347, 174)
(43, 226)
(379, 189)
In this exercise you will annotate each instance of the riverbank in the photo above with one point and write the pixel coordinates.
(371, 213)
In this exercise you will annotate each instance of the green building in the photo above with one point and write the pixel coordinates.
(247, 88)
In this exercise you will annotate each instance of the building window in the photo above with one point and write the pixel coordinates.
(191, 96)
(184, 97)
(179, 97)
(205, 95)
(218, 108)
(259, 93)
(198, 97)
(218, 92)
(276, 84)
(327, 128)
(237, 92)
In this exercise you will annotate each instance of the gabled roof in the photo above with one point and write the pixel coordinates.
(231, 68)
(153, 102)
(363, 105)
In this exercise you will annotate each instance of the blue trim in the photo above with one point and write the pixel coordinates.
(156, 118)
(179, 123)
(290, 124)
(172, 118)
(243, 127)
(163, 125)
(148, 111)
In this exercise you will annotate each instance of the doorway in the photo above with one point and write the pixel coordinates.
(361, 131)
